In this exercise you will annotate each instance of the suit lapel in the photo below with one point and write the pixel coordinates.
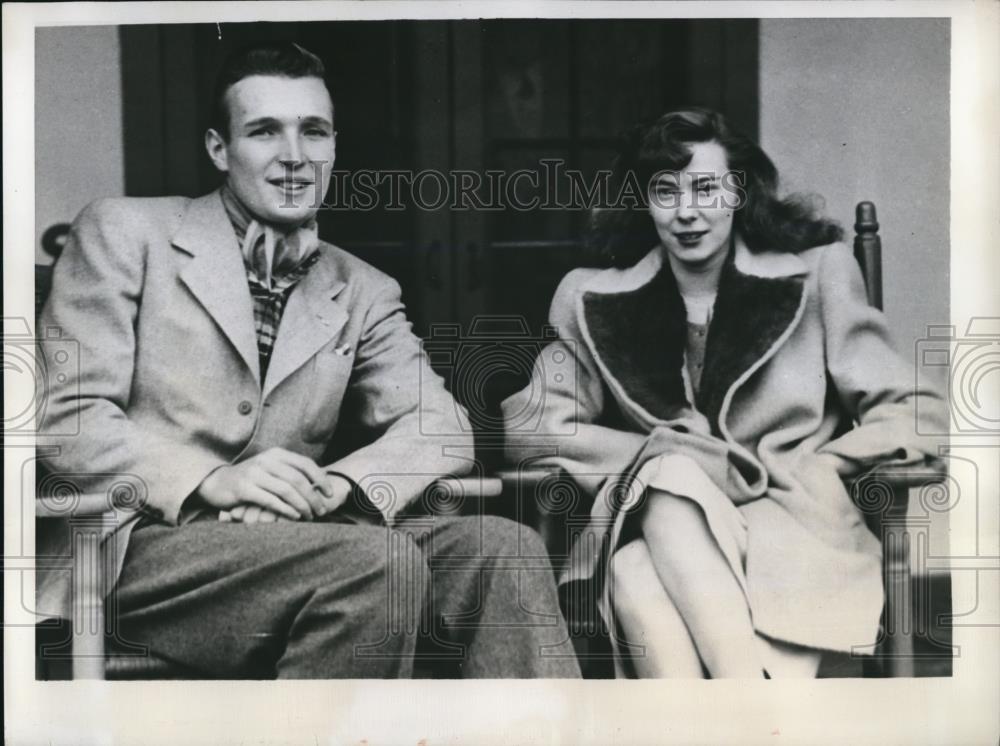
(311, 319)
(216, 276)
(638, 332)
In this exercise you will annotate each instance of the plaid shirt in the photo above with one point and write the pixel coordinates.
(271, 291)
(269, 305)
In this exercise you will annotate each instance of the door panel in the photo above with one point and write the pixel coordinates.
(564, 91)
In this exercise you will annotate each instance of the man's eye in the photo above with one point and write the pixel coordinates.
(317, 132)
(262, 132)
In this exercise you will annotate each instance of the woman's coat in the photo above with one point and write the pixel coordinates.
(795, 356)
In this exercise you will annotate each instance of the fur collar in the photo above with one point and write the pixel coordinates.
(636, 324)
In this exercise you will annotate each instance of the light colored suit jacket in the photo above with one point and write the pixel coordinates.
(152, 295)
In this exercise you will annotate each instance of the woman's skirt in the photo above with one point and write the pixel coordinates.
(801, 588)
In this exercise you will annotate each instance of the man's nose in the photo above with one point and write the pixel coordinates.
(291, 151)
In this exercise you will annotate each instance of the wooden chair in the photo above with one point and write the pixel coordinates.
(884, 493)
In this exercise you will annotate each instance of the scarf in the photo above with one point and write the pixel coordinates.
(269, 252)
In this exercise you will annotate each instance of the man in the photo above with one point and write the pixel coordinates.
(224, 350)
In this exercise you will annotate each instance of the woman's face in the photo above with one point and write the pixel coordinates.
(692, 211)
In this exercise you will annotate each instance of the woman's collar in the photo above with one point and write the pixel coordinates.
(766, 264)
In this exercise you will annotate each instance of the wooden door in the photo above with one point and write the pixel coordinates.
(549, 98)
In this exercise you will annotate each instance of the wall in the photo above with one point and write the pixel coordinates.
(850, 108)
(858, 109)
(78, 122)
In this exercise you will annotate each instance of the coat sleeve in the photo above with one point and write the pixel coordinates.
(416, 431)
(556, 420)
(87, 437)
(894, 412)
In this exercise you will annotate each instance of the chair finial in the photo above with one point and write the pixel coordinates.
(866, 221)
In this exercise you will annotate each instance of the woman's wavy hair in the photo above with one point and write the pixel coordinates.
(622, 235)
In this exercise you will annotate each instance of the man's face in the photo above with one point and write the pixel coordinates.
(281, 146)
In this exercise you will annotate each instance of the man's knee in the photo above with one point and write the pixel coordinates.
(394, 559)
(502, 537)
(388, 580)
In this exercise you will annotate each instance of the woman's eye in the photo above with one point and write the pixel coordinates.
(707, 187)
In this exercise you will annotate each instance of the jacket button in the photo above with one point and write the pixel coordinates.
(245, 407)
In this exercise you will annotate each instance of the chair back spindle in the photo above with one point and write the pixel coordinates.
(868, 251)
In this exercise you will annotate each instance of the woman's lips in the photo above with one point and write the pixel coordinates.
(689, 238)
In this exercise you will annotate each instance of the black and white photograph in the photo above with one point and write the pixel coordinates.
(562, 372)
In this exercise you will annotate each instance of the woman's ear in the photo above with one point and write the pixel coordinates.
(216, 147)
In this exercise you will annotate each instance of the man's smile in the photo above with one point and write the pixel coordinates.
(291, 185)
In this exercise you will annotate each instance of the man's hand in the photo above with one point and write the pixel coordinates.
(338, 487)
(281, 482)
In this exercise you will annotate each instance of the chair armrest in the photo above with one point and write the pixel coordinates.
(470, 486)
(905, 475)
(526, 477)
(49, 506)
(884, 491)
(504, 481)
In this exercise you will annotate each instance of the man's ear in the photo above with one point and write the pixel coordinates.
(217, 150)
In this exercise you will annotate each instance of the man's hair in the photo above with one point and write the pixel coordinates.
(284, 59)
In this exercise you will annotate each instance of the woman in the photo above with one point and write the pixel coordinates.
(719, 364)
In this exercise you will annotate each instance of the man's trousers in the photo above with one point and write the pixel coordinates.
(471, 596)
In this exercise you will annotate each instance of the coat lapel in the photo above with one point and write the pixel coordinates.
(638, 330)
(311, 319)
(639, 335)
(216, 276)
(750, 317)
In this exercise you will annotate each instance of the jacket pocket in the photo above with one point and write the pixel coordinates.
(329, 374)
